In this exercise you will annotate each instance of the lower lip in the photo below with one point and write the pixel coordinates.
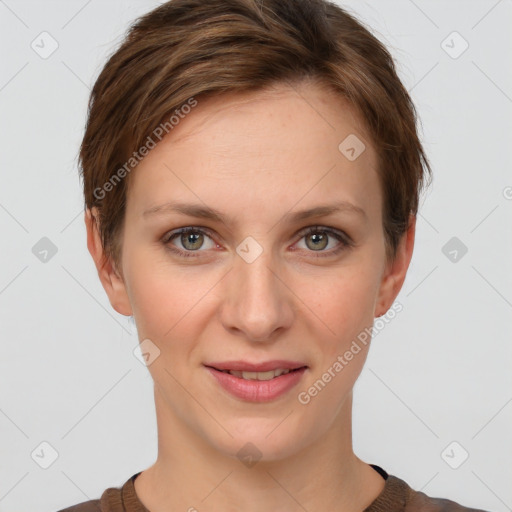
(257, 390)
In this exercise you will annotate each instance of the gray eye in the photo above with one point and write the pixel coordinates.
(192, 240)
(319, 240)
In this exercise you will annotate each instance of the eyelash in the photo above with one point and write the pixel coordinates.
(345, 241)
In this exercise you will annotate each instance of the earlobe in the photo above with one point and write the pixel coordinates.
(110, 278)
(396, 271)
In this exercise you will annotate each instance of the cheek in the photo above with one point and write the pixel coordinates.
(155, 307)
(165, 297)
(345, 310)
(343, 304)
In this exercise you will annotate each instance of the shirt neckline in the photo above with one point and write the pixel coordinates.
(393, 487)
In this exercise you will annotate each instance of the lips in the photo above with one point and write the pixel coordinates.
(257, 382)
(263, 388)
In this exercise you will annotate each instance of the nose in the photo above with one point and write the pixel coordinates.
(257, 302)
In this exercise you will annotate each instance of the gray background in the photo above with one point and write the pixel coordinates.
(438, 373)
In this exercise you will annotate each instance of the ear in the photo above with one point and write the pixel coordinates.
(396, 270)
(110, 278)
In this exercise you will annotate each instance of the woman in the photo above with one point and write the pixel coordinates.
(251, 174)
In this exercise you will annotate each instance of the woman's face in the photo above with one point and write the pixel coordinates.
(266, 283)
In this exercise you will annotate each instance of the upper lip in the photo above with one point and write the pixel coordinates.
(246, 366)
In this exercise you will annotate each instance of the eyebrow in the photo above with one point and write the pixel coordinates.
(205, 212)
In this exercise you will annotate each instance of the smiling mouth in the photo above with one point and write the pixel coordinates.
(268, 375)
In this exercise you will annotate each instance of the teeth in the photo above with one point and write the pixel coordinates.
(258, 375)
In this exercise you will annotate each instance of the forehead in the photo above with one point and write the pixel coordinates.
(305, 100)
(277, 144)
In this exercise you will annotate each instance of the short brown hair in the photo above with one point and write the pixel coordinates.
(187, 49)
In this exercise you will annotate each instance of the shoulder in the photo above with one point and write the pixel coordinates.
(111, 501)
(417, 501)
(421, 502)
(398, 496)
(85, 506)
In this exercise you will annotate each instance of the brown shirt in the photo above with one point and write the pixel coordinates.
(396, 496)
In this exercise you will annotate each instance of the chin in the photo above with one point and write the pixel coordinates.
(258, 440)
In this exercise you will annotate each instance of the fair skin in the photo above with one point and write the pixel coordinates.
(255, 158)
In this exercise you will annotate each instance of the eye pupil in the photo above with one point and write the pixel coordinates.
(192, 238)
(320, 240)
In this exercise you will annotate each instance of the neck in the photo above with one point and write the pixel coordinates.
(191, 474)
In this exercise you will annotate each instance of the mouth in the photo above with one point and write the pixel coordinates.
(257, 382)
(257, 371)
(271, 374)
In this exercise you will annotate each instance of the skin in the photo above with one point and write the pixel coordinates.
(255, 157)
